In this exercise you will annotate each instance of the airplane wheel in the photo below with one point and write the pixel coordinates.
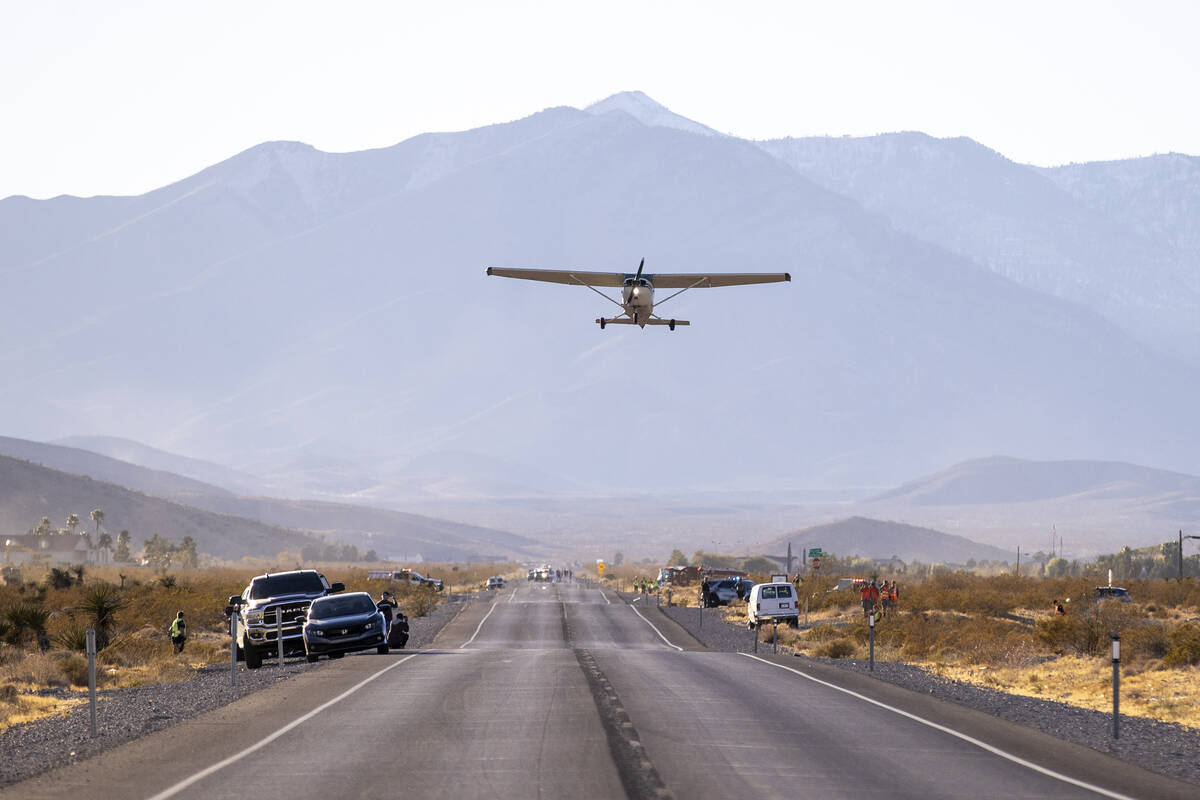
(671, 324)
(602, 323)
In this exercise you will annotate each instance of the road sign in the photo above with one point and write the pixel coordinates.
(815, 552)
(816, 564)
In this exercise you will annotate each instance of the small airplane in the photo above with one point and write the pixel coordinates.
(637, 290)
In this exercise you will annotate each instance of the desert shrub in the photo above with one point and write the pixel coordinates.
(1184, 647)
(965, 593)
(823, 633)
(74, 669)
(1089, 631)
(1146, 641)
(8, 693)
(141, 647)
(838, 648)
(38, 669)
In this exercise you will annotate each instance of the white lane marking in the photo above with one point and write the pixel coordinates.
(969, 739)
(602, 594)
(479, 626)
(171, 791)
(511, 596)
(656, 630)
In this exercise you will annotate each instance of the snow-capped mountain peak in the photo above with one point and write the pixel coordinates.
(648, 112)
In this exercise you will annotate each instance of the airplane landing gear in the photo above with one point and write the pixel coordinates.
(603, 322)
(671, 324)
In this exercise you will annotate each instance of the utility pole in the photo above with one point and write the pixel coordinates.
(1018, 561)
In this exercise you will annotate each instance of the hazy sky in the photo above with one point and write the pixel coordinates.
(120, 97)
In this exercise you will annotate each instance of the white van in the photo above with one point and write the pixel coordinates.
(773, 601)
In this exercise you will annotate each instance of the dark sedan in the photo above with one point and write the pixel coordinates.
(344, 623)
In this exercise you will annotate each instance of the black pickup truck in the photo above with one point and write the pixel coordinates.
(271, 599)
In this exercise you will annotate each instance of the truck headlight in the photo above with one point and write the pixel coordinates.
(254, 617)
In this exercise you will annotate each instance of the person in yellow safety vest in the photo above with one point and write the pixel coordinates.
(178, 632)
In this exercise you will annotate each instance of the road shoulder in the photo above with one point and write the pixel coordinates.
(1067, 758)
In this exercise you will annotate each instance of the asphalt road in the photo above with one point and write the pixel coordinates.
(568, 691)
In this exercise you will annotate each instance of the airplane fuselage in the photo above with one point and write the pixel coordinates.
(637, 298)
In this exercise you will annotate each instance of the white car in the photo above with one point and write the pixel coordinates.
(773, 602)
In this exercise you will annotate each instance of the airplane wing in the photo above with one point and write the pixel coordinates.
(571, 276)
(713, 280)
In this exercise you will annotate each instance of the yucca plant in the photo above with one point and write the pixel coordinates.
(59, 578)
(73, 638)
(29, 617)
(101, 602)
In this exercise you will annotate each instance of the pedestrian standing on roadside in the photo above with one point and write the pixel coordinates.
(178, 632)
(870, 596)
(387, 606)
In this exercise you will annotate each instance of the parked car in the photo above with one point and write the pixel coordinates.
(720, 593)
(340, 624)
(773, 601)
(1119, 593)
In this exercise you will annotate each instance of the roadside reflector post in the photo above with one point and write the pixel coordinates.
(1116, 659)
(279, 633)
(775, 635)
(871, 666)
(233, 649)
(701, 610)
(91, 654)
(756, 629)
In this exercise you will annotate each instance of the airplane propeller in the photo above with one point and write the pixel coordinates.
(637, 278)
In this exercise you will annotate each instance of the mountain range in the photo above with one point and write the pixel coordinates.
(54, 480)
(323, 320)
(881, 539)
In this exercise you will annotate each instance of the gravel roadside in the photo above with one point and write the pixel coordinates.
(125, 714)
(1162, 747)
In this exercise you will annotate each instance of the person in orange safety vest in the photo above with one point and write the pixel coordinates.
(870, 596)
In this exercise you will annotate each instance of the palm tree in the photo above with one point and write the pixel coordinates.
(97, 517)
(43, 527)
(122, 551)
(72, 522)
(105, 542)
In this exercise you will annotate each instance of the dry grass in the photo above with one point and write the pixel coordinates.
(1163, 694)
(17, 707)
(999, 633)
(140, 652)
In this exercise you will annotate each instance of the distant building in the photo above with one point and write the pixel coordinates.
(52, 549)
